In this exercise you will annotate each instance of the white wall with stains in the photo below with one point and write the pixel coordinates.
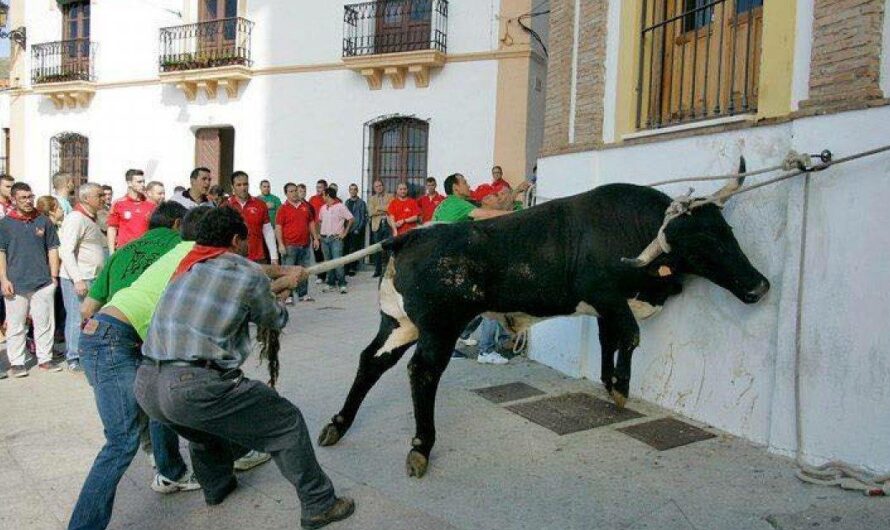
(712, 358)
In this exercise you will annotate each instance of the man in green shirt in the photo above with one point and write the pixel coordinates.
(272, 202)
(457, 206)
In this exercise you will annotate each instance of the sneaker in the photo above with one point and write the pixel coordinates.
(162, 484)
(319, 281)
(74, 367)
(467, 342)
(325, 288)
(343, 290)
(457, 354)
(49, 366)
(307, 298)
(3, 374)
(342, 508)
(251, 460)
(289, 301)
(492, 358)
(18, 372)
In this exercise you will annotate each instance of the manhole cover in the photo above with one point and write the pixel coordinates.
(572, 413)
(666, 433)
(508, 392)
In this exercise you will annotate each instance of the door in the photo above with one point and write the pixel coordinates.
(215, 150)
(217, 27)
(402, 25)
(75, 41)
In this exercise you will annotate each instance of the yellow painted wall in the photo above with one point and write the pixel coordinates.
(777, 62)
(628, 61)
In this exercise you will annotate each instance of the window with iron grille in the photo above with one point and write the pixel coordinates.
(699, 59)
(70, 153)
(397, 153)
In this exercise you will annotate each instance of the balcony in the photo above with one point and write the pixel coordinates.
(63, 71)
(207, 56)
(395, 38)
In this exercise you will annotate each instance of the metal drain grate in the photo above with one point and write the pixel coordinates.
(572, 413)
(666, 433)
(508, 392)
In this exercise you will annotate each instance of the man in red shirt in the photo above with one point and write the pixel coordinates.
(129, 215)
(317, 201)
(404, 214)
(256, 217)
(430, 200)
(497, 179)
(295, 227)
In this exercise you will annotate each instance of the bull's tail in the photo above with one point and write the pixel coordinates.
(326, 266)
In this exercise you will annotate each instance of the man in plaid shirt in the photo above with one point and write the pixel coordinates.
(190, 380)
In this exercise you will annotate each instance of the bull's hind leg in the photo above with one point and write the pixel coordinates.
(392, 341)
(425, 369)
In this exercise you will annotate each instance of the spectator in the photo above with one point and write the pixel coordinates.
(336, 221)
(497, 179)
(216, 195)
(52, 208)
(63, 188)
(109, 196)
(129, 215)
(378, 206)
(430, 200)
(154, 191)
(295, 228)
(256, 216)
(404, 214)
(355, 239)
(29, 266)
(199, 180)
(82, 254)
(6, 205)
(102, 214)
(317, 201)
(178, 189)
(272, 202)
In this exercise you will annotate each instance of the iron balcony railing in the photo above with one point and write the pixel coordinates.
(390, 26)
(222, 42)
(699, 59)
(61, 61)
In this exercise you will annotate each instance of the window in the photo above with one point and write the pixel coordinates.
(70, 153)
(699, 59)
(403, 26)
(397, 152)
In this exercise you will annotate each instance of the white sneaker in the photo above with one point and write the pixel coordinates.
(343, 290)
(492, 357)
(467, 342)
(307, 298)
(251, 460)
(325, 288)
(289, 301)
(162, 484)
(318, 281)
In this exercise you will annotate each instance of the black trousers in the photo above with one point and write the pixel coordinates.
(319, 257)
(353, 243)
(381, 258)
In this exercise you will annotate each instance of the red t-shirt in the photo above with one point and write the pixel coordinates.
(500, 184)
(428, 205)
(402, 209)
(255, 215)
(317, 201)
(130, 217)
(294, 222)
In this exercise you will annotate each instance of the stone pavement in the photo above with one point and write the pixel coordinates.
(491, 468)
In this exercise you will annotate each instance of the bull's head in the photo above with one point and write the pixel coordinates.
(702, 242)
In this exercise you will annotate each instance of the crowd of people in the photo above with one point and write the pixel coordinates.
(154, 295)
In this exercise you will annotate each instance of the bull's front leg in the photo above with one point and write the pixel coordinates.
(607, 352)
(425, 371)
(623, 334)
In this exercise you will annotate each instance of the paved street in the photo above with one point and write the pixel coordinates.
(491, 468)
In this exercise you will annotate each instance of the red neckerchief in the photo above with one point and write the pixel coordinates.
(198, 254)
(84, 211)
(19, 216)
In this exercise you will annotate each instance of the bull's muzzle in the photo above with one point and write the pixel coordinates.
(755, 295)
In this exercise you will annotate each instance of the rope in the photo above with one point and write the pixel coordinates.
(845, 476)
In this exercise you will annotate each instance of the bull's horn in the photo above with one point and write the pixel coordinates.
(726, 192)
(646, 256)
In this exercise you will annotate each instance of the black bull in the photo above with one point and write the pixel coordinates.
(559, 258)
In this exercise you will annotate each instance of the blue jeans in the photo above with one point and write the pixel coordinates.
(491, 335)
(72, 317)
(333, 249)
(110, 357)
(298, 256)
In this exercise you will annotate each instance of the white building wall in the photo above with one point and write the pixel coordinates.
(712, 358)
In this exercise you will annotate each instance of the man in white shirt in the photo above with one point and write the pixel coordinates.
(82, 252)
(200, 182)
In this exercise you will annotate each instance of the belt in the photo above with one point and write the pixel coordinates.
(200, 363)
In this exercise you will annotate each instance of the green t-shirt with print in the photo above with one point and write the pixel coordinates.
(453, 209)
(129, 261)
(273, 203)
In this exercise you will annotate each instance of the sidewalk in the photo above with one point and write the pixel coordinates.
(491, 468)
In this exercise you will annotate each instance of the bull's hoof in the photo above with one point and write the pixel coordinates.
(416, 464)
(329, 436)
(620, 399)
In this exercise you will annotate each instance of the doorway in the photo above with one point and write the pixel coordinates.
(215, 150)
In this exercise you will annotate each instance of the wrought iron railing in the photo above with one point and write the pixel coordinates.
(390, 26)
(61, 61)
(223, 42)
(699, 59)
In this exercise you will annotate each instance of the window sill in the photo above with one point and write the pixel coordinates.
(689, 126)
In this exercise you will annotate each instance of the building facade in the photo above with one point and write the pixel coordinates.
(289, 90)
(645, 90)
